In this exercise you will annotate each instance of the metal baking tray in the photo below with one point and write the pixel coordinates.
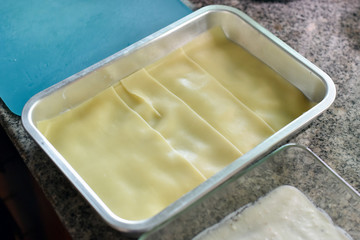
(291, 164)
(314, 83)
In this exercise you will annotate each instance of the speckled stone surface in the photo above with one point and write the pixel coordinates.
(327, 32)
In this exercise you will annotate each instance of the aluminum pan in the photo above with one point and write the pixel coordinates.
(238, 27)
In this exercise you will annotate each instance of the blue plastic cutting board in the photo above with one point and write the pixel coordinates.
(45, 41)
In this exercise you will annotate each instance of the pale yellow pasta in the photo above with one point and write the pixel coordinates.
(160, 132)
(211, 100)
(260, 88)
(131, 167)
(189, 134)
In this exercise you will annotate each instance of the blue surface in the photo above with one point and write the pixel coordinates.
(45, 41)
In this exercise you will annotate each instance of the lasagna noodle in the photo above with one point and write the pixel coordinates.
(156, 136)
(131, 167)
(211, 100)
(188, 133)
(259, 87)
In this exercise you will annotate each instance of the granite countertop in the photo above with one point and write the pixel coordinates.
(326, 32)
